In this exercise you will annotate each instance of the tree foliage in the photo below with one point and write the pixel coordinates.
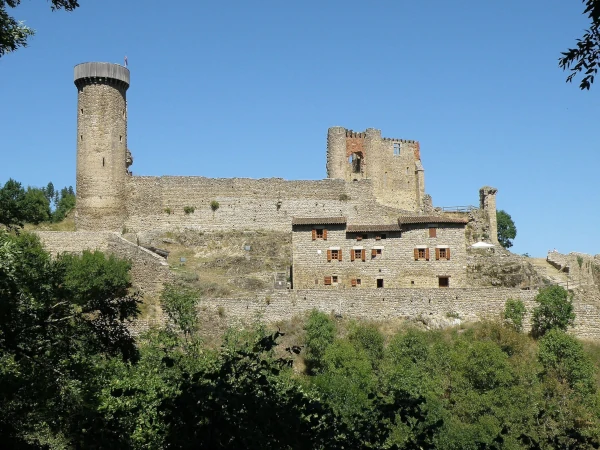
(71, 375)
(585, 56)
(58, 319)
(555, 310)
(507, 230)
(320, 333)
(514, 311)
(33, 205)
(13, 33)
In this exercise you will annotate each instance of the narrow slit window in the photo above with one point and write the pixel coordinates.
(396, 149)
(102, 162)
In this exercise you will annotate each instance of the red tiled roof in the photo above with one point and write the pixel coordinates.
(318, 220)
(373, 228)
(431, 219)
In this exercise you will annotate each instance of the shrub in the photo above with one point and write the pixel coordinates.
(369, 339)
(563, 355)
(514, 310)
(167, 210)
(189, 209)
(320, 333)
(214, 205)
(555, 310)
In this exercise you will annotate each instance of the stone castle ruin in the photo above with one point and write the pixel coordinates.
(366, 241)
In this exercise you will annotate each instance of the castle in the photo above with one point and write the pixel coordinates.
(366, 241)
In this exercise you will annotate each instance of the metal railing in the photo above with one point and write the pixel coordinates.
(467, 208)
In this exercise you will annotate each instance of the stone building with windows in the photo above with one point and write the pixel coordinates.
(414, 252)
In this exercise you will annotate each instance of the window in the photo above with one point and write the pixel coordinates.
(444, 282)
(359, 237)
(396, 148)
(357, 253)
(355, 282)
(422, 254)
(319, 233)
(334, 279)
(442, 253)
(358, 281)
(377, 238)
(432, 232)
(327, 281)
(380, 282)
(383, 236)
(375, 252)
(334, 254)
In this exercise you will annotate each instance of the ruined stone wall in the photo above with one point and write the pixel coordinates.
(396, 265)
(148, 271)
(157, 203)
(582, 269)
(469, 304)
(397, 176)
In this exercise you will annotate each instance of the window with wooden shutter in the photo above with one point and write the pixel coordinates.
(353, 282)
(327, 281)
(328, 255)
(319, 233)
(432, 232)
(448, 253)
(339, 255)
(364, 255)
(324, 234)
(416, 254)
(427, 254)
(359, 237)
(352, 254)
(437, 253)
(373, 253)
(314, 234)
(377, 238)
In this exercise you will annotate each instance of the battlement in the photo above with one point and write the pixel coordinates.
(101, 73)
(363, 134)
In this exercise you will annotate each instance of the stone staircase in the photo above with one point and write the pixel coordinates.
(551, 273)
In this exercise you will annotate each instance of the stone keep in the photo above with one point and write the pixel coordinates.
(101, 146)
(393, 165)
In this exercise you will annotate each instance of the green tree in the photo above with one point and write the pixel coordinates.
(58, 320)
(555, 310)
(35, 206)
(507, 230)
(585, 57)
(181, 303)
(13, 33)
(320, 333)
(247, 399)
(11, 199)
(564, 356)
(514, 311)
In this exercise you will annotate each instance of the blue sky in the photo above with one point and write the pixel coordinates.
(248, 89)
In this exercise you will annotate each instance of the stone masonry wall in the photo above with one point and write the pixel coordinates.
(382, 304)
(157, 203)
(73, 242)
(396, 265)
(148, 271)
(398, 178)
(101, 154)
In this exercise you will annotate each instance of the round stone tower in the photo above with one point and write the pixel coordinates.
(101, 146)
